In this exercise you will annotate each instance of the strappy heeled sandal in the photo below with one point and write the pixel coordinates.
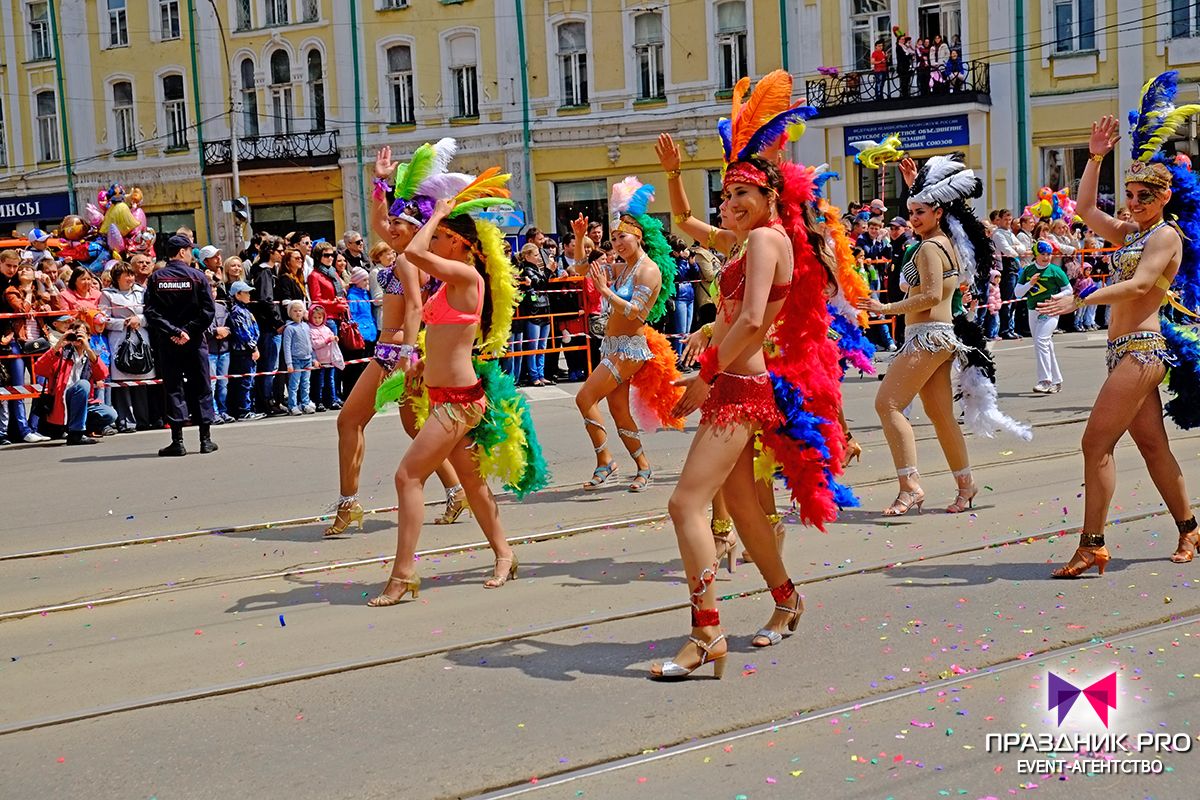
(412, 586)
(456, 504)
(501, 576)
(905, 502)
(600, 475)
(671, 671)
(781, 594)
(853, 452)
(965, 499)
(1090, 553)
(641, 478)
(779, 530)
(1189, 542)
(349, 511)
(726, 541)
(644, 476)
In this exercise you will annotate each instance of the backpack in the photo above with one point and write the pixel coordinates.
(133, 356)
(243, 328)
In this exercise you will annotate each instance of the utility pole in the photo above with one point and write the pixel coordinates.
(234, 175)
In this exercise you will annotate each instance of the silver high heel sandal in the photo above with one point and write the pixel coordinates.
(906, 501)
(965, 498)
(669, 670)
(782, 594)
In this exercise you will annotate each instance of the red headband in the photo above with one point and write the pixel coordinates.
(741, 172)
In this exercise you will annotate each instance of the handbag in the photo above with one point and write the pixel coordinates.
(349, 336)
(42, 405)
(133, 357)
(33, 346)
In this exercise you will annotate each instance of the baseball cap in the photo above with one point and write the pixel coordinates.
(38, 235)
(237, 287)
(900, 221)
(63, 318)
(208, 251)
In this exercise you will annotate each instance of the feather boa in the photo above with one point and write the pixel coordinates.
(805, 371)
(502, 283)
(656, 247)
(653, 393)
(850, 280)
(1185, 208)
(391, 390)
(981, 415)
(1183, 379)
(853, 345)
(506, 445)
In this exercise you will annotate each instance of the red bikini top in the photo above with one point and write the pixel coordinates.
(438, 311)
(733, 277)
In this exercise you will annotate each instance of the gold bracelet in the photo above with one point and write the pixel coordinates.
(1097, 157)
(672, 173)
(712, 238)
(707, 330)
(682, 218)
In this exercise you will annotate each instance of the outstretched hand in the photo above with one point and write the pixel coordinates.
(1106, 132)
(1057, 306)
(668, 153)
(384, 166)
(694, 394)
(908, 171)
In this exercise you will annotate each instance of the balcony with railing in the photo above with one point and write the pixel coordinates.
(279, 151)
(870, 92)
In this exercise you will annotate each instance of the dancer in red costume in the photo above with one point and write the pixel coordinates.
(773, 288)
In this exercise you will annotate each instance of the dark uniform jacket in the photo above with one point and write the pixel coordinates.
(179, 298)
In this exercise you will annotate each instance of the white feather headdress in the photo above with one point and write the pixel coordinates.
(945, 179)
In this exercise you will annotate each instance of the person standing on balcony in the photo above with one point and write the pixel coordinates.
(879, 67)
(939, 56)
(906, 54)
(923, 67)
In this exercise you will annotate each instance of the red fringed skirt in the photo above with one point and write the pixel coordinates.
(462, 404)
(737, 399)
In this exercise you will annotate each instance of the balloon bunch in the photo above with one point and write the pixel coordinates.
(1052, 205)
(873, 155)
(111, 229)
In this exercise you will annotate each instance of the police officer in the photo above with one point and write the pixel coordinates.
(179, 310)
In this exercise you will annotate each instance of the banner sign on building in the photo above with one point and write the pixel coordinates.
(915, 134)
(34, 207)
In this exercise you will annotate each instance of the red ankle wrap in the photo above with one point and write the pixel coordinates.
(705, 617)
(783, 592)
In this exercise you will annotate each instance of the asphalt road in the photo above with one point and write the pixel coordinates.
(180, 628)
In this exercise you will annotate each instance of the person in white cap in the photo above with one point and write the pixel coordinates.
(39, 247)
(212, 264)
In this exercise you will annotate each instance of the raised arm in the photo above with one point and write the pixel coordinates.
(378, 212)
(1162, 248)
(1105, 135)
(579, 227)
(421, 257)
(681, 211)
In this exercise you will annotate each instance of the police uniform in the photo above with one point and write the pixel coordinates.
(179, 298)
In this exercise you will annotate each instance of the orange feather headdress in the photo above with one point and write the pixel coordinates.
(758, 123)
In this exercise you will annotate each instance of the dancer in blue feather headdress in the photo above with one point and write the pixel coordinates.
(1160, 251)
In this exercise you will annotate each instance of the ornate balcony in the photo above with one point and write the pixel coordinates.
(863, 92)
(281, 151)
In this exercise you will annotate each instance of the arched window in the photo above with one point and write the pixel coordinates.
(122, 106)
(400, 78)
(464, 74)
(572, 62)
(731, 42)
(281, 93)
(175, 110)
(648, 45)
(316, 89)
(249, 99)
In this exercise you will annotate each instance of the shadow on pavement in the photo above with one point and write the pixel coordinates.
(555, 662)
(932, 576)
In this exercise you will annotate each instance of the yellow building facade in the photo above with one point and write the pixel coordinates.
(567, 95)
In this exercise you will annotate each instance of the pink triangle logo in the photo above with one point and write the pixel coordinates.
(1101, 695)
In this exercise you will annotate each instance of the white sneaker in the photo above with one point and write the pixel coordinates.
(310, 409)
(1042, 387)
(1055, 388)
(33, 438)
(295, 411)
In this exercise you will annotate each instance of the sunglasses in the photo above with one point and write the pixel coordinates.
(357, 241)
(326, 255)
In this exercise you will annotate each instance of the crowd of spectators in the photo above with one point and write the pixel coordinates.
(305, 312)
(910, 68)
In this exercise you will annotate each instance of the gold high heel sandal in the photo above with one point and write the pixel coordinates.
(456, 504)
(1090, 553)
(779, 530)
(349, 511)
(853, 452)
(412, 586)
(965, 499)
(499, 576)
(1189, 542)
(726, 541)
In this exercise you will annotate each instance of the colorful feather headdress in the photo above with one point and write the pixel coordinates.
(1150, 124)
(427, 161)
(631, 197)
(944, 179)
(759, 122)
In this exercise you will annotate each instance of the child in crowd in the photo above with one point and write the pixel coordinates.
(297, 347)
(327, 357)
(992, 315)
(1043, 280)
(243, 352)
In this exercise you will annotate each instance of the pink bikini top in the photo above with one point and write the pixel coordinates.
(438, 311)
